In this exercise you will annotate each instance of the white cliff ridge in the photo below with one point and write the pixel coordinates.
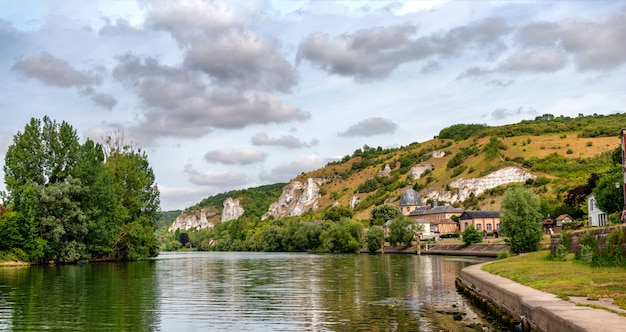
(477, 186)
(297, 198)
(232, 209)
(188, 221)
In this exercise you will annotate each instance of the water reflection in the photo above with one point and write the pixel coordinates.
(236, 291)
(107, 296)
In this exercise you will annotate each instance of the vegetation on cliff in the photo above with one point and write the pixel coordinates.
(563, 152)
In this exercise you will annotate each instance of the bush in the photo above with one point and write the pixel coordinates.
(503, 255)
(471, 236)
(374, 239)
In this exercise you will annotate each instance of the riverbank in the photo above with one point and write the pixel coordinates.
(480, 250)
(534, 309)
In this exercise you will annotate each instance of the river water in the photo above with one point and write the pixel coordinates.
(236, 291)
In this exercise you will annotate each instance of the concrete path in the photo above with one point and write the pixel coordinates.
(545, 312)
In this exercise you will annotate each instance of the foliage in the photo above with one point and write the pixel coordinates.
(403, 230)
(342, 237)
(503, 255)
(492, 149)
(375, 183)
(374, 238)
(382, 213)
(569, 168)
(461, 132)
(463, 154)
(471, 236)
(612, 254)
(578, 195)
(521, 220)
(72, 201)
(336, 213)
(609, 198)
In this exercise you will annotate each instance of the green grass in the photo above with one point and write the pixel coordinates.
(563, 278)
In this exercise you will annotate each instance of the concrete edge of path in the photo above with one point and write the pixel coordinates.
(543, 311)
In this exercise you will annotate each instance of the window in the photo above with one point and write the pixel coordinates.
(488, 227)
(592, 202)
(466, 225)
(479, 227)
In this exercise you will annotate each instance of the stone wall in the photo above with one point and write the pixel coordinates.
(599, 234)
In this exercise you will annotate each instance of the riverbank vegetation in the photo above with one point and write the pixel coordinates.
(68, 201)
(565, 278)
(334, 230)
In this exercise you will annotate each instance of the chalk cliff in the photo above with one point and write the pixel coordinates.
(232, 209)
(477, 186)
(195, 220)
(297, 198)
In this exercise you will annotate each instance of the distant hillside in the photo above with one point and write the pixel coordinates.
(561, 151)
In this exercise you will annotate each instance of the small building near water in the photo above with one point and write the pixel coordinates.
(482, 220)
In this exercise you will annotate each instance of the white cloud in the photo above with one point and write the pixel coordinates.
(229, 156)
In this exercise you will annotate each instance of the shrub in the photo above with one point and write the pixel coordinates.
(374, 239)
(503, 255)
(471, 236)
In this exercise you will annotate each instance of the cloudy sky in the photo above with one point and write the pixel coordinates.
(234, 94)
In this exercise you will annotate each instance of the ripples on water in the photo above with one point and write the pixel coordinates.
(236, 291)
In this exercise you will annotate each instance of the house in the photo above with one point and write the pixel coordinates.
(596, 216)
(481, 220)
(438, 217)
(550, 226)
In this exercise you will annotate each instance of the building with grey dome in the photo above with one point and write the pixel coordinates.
(410, 201)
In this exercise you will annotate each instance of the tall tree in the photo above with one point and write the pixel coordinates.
(608, 191)
(520, 220)
(135, 208)
(382, 213)
(38, 170)
(70, 205)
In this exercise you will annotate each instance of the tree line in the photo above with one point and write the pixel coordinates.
(66, 201)
(332, 231)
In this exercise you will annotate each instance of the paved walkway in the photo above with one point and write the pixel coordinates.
(545, 312)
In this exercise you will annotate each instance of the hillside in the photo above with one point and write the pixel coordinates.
(560, 151)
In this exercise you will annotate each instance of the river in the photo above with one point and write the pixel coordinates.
(236, 291)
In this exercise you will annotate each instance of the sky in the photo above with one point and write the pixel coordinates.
(226, 95)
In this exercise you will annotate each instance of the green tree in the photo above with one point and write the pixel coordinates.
(521, 220)
(336, 213)
(339, 237)
(135, 202)
(382, 213)
(471, 236)
(609, 196)
(402, 230)
(374, 238)
(41, 186)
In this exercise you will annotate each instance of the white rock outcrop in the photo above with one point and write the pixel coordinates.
(354, 200)
(438, 154)
(232, 209)
(386, 171)
(417, 170)
(188, 221)
(477, 186)
(297, 198)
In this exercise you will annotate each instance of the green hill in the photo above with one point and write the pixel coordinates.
(562, 151)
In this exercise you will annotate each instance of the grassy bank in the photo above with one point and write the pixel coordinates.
(563, 278)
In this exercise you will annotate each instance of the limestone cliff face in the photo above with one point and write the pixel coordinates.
(297, 198)
(232, 209)
(417, 170)
(196, 221)
(477, 186)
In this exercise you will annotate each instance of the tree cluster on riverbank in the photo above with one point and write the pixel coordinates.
(334, 231)
(68, 201)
